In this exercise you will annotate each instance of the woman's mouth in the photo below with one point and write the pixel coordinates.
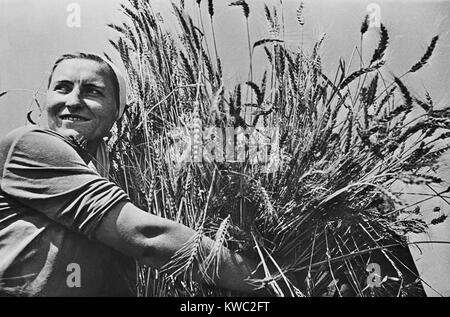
(72, 117)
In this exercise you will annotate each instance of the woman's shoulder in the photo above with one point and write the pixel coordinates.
(32, 140)
(34, 133)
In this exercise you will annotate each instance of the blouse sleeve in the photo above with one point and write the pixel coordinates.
(42, 171)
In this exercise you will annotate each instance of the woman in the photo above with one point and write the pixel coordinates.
(57, 214)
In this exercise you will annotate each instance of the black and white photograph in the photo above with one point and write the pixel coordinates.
(241, 150)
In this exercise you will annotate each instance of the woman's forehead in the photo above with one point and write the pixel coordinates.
(82, 70)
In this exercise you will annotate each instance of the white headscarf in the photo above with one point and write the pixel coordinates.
(101, 162)
(122, 87)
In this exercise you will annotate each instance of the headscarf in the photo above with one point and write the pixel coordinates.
(101, 162)
(122, 87)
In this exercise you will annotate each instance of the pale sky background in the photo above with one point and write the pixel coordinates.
(34, 32)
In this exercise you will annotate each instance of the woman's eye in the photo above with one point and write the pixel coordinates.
(63, 88)
(94, 92)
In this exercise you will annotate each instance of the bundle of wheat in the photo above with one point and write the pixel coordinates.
(298, 174)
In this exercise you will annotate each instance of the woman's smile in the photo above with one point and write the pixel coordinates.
(73, 118)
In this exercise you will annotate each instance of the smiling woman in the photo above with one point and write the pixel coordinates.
(57, 212)
(82, 98)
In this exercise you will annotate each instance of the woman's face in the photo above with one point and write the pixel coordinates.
(81, 99)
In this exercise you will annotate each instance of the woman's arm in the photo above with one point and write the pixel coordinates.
(42, 171)
(153, 240)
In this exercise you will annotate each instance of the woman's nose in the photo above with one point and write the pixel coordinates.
(74, 100)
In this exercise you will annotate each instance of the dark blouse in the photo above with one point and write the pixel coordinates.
(51, 203)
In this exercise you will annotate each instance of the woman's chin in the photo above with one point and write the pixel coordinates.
(70, 133)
